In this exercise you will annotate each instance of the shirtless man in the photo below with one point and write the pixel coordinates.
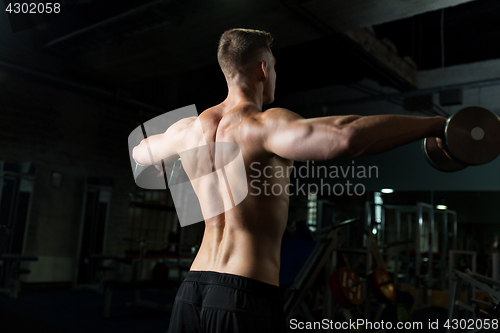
(233, 282)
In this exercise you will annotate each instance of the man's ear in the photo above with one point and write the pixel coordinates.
(263, 68)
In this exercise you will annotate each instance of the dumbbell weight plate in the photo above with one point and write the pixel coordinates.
(381, 285)
(472, 136)
(438, 159)
(346, 287)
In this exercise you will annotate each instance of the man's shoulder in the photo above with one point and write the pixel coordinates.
(274, 115)
(182, 124)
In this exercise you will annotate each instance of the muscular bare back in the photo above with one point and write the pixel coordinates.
(244, 225)
(245, 238)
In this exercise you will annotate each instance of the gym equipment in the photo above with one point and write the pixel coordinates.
(13, 263)
(437, 158)
(473, 308)
(102, 264)
(381, 285)
(380, 281)
(471, 262)
(495, 266)
(449, 226)
(377, 281)
(94, 219)
(408, 227)
(16, 196)
(346, 287)
(319, 258)
(471, 137)
(160, 283)
(404, 217)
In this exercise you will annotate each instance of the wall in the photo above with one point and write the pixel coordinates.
(64, 131)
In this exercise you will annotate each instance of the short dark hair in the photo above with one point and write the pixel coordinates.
(238, 47)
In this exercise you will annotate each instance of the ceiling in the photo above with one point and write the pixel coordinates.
(164, 51)
(470, 33)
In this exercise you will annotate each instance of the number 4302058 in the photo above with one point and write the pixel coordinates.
(33, 8)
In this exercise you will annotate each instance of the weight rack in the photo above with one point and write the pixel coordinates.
(473, 308)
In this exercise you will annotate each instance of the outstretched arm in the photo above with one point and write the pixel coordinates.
(151, 150)
(293, 137)
(154, 149)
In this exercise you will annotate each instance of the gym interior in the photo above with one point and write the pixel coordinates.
(387, 238)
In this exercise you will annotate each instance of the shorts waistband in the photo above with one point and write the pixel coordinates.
(235, 281)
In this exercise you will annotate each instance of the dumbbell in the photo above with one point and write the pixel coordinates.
(471, 137)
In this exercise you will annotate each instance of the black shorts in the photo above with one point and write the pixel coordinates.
(219, 302)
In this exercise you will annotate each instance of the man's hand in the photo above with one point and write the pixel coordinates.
(159, 167)
(441, 145)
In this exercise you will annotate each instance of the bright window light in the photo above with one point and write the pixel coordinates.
(442, 207)
(387, 190)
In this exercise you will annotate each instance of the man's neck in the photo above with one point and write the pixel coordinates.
(240, 93)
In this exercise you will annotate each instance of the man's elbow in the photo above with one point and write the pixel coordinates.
(356, 142)
(347, 144)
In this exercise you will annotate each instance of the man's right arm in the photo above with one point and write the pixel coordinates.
(161, 147)
(290, 136)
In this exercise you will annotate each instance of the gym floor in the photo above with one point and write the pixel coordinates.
(65, 311)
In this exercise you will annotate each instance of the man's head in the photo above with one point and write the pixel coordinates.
(244, 53)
